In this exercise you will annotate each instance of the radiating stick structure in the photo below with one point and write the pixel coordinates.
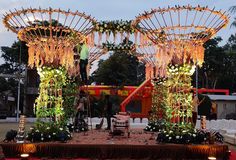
(51, 34)
(181, 31)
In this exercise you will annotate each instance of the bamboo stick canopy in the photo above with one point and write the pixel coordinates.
(181, 31)
(51, 34)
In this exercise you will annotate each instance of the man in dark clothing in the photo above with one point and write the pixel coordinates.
(108, 109)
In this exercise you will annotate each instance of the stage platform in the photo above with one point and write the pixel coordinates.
(99, 145)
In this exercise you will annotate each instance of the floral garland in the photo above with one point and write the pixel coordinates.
(179, 109)
(182, 134)
(49, 132)
(50, 100)
(114, 26)
(159, 95)
(121, 46)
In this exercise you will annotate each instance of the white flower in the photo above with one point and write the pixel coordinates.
(54, 133)
(61, 129)
(170, 137)
(177, 137)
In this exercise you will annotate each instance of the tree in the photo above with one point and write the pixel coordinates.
(218, 70)
(120, 69)
(213, 66)
(15, 60)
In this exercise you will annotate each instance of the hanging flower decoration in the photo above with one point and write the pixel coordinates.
(51, 34)
(181, 31)
(111, 34)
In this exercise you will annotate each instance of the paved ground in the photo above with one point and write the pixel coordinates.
(6, 126)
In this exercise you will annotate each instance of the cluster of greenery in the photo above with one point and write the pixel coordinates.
(70, 90)
(50, 100)
(155, 126)
(186, 134)
(159, 100)
(113, 47)
(49, 132)
(114, 27)
(179, 98)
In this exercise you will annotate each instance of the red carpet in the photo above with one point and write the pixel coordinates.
(47, 159)
(233, 155)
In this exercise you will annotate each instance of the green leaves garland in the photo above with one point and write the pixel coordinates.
(50, 100)
(114, 27)
(179, 96)
(159, 97)
(114, 47)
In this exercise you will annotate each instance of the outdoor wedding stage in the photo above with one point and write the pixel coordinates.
(97, 144)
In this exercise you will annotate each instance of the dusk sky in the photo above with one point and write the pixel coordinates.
(108, 10)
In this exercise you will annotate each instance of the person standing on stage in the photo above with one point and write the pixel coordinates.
(84, 55)
(108, 109)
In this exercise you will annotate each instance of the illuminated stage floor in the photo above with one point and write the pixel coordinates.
(100, 145)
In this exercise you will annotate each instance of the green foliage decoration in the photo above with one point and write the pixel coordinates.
(49, 102)
(114, 26)
(179, 109)
(69, 93)
(48, 131)
(122, 46)
(159, 97)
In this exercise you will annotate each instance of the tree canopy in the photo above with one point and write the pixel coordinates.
(15, 58)
(119, 69)
(218, 70)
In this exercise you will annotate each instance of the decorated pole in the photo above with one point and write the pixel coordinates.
(179, 33)
(51, 35)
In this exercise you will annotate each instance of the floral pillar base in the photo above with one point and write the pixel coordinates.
(50, 100)
(179, 97)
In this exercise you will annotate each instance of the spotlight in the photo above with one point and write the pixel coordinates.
(229, 153)
(24, 155)
(211, 158)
